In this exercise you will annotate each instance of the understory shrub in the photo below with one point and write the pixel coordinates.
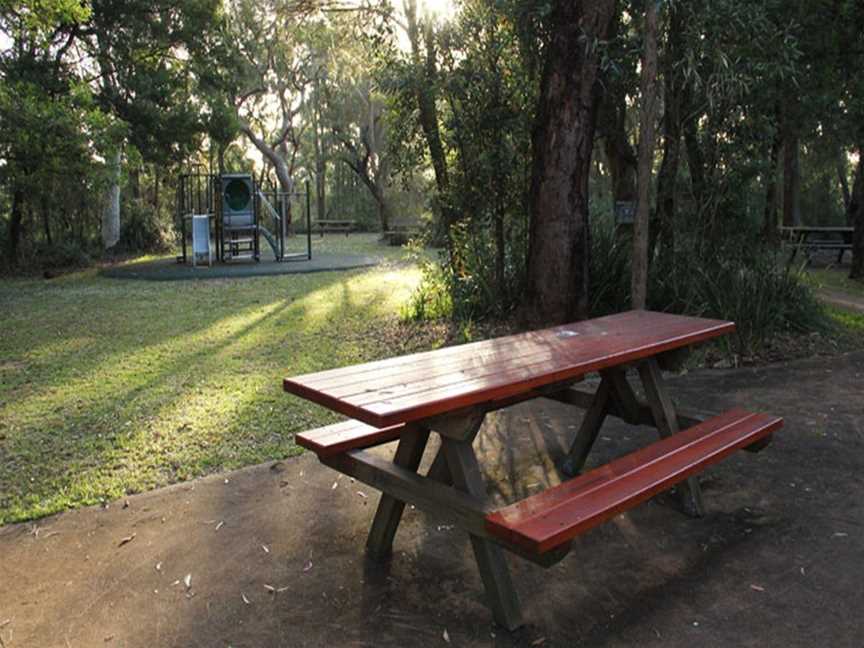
(736, 278)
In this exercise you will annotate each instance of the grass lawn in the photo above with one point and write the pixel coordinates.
(109, 387)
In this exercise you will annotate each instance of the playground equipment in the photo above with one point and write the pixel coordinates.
(237, 214)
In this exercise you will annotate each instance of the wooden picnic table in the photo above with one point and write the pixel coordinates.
(335, 225)
(813, 238)
(449, 391)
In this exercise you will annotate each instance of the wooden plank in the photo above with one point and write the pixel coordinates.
(491, 563)
(644, 416)
(578, 348)
(344, 436)
(588, 431)
(409, 453)
(451, 505)
(666, 422)
(544, 521)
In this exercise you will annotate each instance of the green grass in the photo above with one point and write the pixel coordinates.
(110, 387)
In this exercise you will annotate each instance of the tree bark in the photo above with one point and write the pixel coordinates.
(791, 181)
(667, 179)
(425, 67)
(557, 281)
(844, 182)
(111, 213)
(648, 111)
(769, 227)
(616, 145)
(320, 162)
(13, 232)
(856, 218)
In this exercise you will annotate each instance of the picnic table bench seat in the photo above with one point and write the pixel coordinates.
(555, 516)
(347, 435)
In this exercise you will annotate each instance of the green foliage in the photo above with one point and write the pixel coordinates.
(65, 254)
(143, 229)
(736, 278)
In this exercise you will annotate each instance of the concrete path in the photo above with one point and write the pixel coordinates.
(273, 555)
(844, 300)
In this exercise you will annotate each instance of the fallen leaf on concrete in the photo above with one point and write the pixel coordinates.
(539, 642)
(270, 588)
(188, 581)
(220, 525)
(757, 588)
(362, 494)
(307, 566)
(446, 636)
(127, 540)
(335, 484)
(245, 600)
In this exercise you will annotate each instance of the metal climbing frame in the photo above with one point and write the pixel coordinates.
(237, 230)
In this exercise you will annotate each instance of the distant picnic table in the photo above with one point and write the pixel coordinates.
(811, 239)
(334, 225)
(449, 391)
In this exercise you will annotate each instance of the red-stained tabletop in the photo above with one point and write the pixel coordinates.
(412, 387)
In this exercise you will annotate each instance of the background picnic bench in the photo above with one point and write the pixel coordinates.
(812, 239)
(400, 231)
(334, 225)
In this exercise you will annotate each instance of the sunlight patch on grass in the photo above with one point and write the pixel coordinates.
(109, 387)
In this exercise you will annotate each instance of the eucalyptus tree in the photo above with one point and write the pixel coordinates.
(270, 78)
(557, 278)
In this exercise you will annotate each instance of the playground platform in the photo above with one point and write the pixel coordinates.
(168, 269)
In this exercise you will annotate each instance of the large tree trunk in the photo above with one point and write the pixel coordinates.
(769, 226)
(557, 282)
(647, 114)
(856, 218)
(111, 213)
(791, 181)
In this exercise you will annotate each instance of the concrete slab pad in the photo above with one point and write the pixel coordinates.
(273, 555)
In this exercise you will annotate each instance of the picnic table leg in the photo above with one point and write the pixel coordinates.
(409, 452)
(666, 420)
(588, 431)
(502, 596)
(439, 470)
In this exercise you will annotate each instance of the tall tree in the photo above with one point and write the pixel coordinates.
(647, 115)
(557, 281)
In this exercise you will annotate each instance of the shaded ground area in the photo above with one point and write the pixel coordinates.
(274, 553)
(169, 270)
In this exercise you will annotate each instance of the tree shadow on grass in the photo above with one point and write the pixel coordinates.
(93, 441)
